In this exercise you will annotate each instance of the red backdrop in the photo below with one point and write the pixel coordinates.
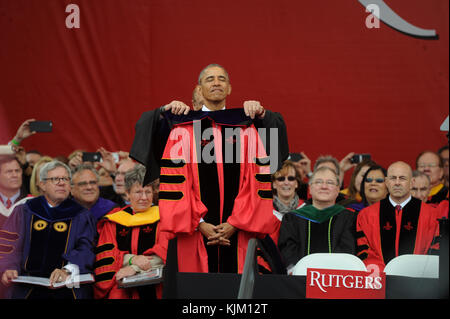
(341, 86)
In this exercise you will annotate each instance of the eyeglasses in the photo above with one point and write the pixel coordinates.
(321, 182)
(84, 184)
(56, 180)
(377, 180)
(430, 165)
(282, 178)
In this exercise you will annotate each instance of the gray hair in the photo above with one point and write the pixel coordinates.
(133, 176)
(202, 73)
(328, 159)
(322, 169)
(85, 167)
(43, 173)
(417, 173)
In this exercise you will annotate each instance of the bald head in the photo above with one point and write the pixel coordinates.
(402, 166)
(398, 181)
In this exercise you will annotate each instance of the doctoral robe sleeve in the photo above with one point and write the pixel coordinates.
(290, 239)
(11, 241)
(441, 213)
(427, 230)
(347, 242)
(83, 234)
(368, 237)
(253, 206)
(180, 205)
(278, 145)
(108, 260)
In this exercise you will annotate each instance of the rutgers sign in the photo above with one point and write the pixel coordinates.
(344, 284)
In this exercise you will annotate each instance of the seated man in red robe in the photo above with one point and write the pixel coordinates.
(397, 225)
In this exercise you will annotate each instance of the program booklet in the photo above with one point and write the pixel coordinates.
(42, 281)
(151, 277)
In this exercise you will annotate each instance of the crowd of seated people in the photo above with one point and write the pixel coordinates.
(304, 218)
(95, 188)
(374, 193)
(308, 204)
(64, 216)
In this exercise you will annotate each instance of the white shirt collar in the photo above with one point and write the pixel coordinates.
(205, 109)
(50, 205)
(406, 201)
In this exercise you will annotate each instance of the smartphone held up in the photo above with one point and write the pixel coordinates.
(41, 126)
(91, 157)
(358, 158)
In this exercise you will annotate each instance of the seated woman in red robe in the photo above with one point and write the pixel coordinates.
(130, 242)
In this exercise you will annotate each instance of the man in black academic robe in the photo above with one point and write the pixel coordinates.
(320, 227)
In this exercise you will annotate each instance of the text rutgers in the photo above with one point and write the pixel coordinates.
(323, 281)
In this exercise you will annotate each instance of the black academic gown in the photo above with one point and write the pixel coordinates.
(298, 235)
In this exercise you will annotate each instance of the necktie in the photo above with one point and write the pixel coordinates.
(398, 221)
(8, 203)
